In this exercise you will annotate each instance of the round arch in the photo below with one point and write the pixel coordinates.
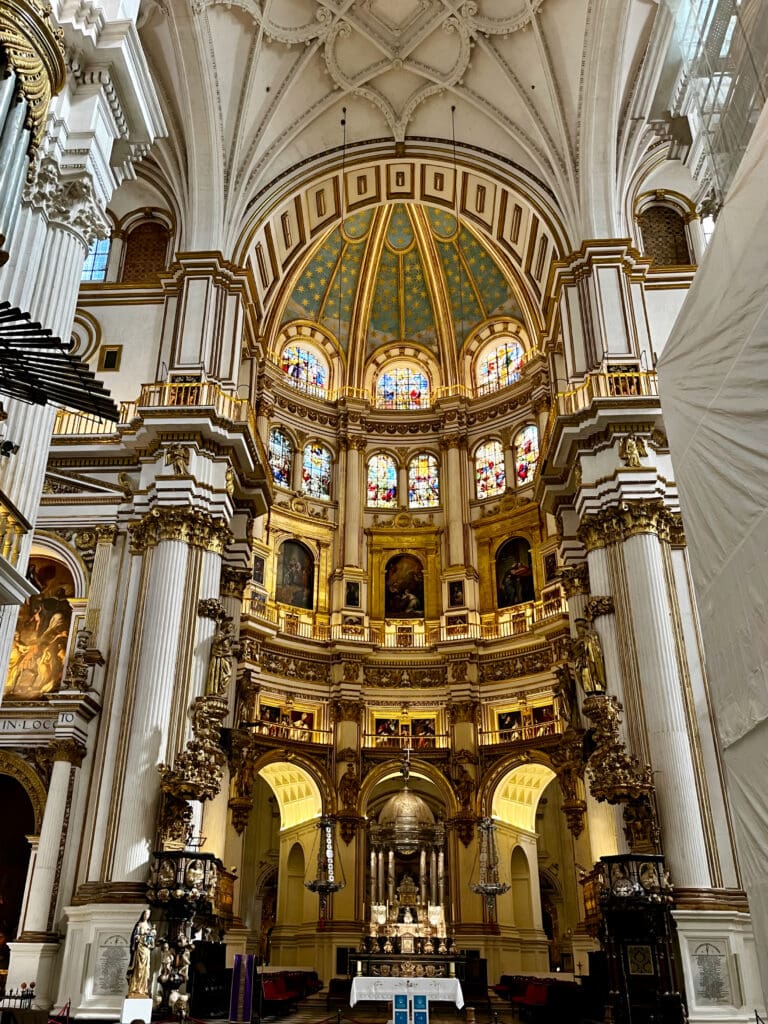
(419, 769)
(317, 787)
(505, 766)
(17, 768)
(50, 546)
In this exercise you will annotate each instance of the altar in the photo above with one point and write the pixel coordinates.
(442, 990)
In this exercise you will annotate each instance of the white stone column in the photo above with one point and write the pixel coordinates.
(668, 739)
(33, 954)
(157, 635)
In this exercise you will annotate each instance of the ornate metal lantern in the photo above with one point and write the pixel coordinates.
(489, 885)
(326, 881)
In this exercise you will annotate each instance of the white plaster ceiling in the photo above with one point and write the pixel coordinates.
(251, 88)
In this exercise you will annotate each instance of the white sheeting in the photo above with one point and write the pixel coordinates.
(714, 391)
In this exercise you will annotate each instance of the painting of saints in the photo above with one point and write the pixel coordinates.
(36, 665)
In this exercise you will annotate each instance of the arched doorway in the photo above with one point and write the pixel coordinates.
(18, 823)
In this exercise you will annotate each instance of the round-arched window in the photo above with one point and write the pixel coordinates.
(526, 450)
(490, 478)
(280, 454)
(304, 367)
(382, 482)
(423, 481)
(316, 471)
(402, 386)
(499, 364)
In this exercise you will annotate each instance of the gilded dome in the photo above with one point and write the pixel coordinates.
(404, 811)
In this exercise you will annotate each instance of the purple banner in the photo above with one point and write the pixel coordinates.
(241, 1000)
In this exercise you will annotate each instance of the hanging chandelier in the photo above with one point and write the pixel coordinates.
(489, 886)
(325, 884)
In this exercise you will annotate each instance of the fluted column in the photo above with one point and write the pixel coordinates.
(668, 738)
(353, 501)
(38, 924)
(157, 636)
(452, 496)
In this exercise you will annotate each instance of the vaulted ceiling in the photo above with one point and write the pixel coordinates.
(253, 88)
(403, 272)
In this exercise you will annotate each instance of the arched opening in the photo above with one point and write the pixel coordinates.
(146, 251)
(520, 884)
(18, 823)
(294, 886)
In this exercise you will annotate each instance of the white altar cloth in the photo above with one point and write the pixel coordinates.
(444, 990)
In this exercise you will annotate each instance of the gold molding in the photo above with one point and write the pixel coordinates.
(35, 52)
(16, 767)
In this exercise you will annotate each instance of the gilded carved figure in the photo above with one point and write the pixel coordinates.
(588, 658)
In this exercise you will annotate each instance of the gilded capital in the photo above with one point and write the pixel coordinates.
(574, 579)
(34, 48)
(449, 441)
(234, 581)
(188, 525)
(106, 534)
(68, 750)
(617, 524)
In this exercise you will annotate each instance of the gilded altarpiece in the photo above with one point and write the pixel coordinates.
(403, 536)
(315, 533)
(492, 531)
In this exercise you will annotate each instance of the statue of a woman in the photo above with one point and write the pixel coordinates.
(142, 943)
(220, 665)
(588, 657)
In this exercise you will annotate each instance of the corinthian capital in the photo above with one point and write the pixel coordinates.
(68, 203)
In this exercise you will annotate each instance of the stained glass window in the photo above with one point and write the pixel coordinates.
(304, 367)
(382, 481)
(316, 472)
(489, 470)
(402, 387)
(95, 266)
(423, 481)
(526, 454)
(280, 452)
(499, 364)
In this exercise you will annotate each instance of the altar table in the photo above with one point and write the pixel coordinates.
(443, 990)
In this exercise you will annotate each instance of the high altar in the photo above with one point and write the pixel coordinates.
(406, 889)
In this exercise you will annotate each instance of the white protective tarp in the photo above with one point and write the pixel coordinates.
(714, 393)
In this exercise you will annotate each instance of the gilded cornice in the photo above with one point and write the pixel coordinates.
(34, 49)
(188, 525)
(629, 519)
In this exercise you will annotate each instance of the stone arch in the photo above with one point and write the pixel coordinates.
(319, 776)
(423, 768)
(493, 778)
(521, 217)
(17, 768)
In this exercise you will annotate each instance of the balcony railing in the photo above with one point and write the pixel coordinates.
(384, 741)
(166, 395)
(13, 529)
(291, 731)
(621, 386)
(523, 733)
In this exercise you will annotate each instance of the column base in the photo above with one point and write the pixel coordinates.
(720, 968)
(236, 940)
(96, 958)
(34, 962)
(582, 945)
